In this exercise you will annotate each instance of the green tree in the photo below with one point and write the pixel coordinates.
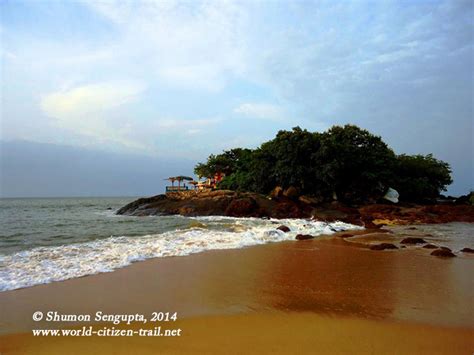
(228, 162)
(420, 176)
(288, 160)
(354, 163)
(346, 160)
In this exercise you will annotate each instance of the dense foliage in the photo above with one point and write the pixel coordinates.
(419, 176)
(346, 162)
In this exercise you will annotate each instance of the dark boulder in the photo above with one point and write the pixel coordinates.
(413, 240)
(443, 253)
(276, 193)
(304, 237)
(368, 222)
(467, 250)
(242, 207)
(288, 209)
(186, 210)
(291, 192)
(309, 200)
(430, 246)
(383, 246)
(284, 228)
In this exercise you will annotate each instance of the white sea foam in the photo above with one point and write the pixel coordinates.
(46, 264)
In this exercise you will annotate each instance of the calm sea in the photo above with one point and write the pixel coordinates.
(53, 239)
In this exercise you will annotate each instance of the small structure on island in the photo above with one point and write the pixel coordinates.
(178, 188)
(194, 183)
(209, 184)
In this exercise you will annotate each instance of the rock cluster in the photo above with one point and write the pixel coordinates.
(218, 202)
(288, 203)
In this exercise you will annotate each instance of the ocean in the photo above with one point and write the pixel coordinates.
(52, 239)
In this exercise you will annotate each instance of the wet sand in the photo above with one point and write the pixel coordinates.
(294, 333)
(324, 295)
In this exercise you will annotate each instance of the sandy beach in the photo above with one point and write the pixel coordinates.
(324, 295)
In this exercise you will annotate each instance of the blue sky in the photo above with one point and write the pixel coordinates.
(185, 79)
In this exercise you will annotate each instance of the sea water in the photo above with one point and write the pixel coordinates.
(54, 239)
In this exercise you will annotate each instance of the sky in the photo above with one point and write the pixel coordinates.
(177, 80)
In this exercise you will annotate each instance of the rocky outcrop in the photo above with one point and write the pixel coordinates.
(287, 204)
(245, 206)
(284, 229)
(443, 253)
(383, 246)
(413, 240)
(217, 203)
(291, 192)
(467, 250)
(381, 214)
(304, 237)
(310, 200)
(276, 193)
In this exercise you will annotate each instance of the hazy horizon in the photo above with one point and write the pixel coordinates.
(112, 97)
(115, 175)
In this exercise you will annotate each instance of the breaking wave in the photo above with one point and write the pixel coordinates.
(56, 263)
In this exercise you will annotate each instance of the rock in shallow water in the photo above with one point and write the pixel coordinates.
(383, 246)
(430, 246)
(467, 250)
(413, 240)
(304, 237)
(443, 253)
(284, 228)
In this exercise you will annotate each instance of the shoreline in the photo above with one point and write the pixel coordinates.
(331, 282)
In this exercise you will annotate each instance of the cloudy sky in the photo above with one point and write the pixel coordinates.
(177, 79)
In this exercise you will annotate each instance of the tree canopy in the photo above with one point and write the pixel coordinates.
(348, 162)
(421, 176)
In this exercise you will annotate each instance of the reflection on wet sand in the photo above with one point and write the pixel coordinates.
(327, 291)
(342, 281)
(328, 275)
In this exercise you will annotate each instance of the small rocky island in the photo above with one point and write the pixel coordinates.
(289, 204)
(345, 173)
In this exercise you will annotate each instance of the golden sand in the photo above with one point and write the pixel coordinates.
(265, 334)
(316, 296)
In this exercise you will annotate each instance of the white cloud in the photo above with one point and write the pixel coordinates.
(192, 125)
(86, 99)
(86, 109)
(197, 45)
(386, 66)
(260, 110)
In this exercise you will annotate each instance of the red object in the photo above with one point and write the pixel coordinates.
(218, 177)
